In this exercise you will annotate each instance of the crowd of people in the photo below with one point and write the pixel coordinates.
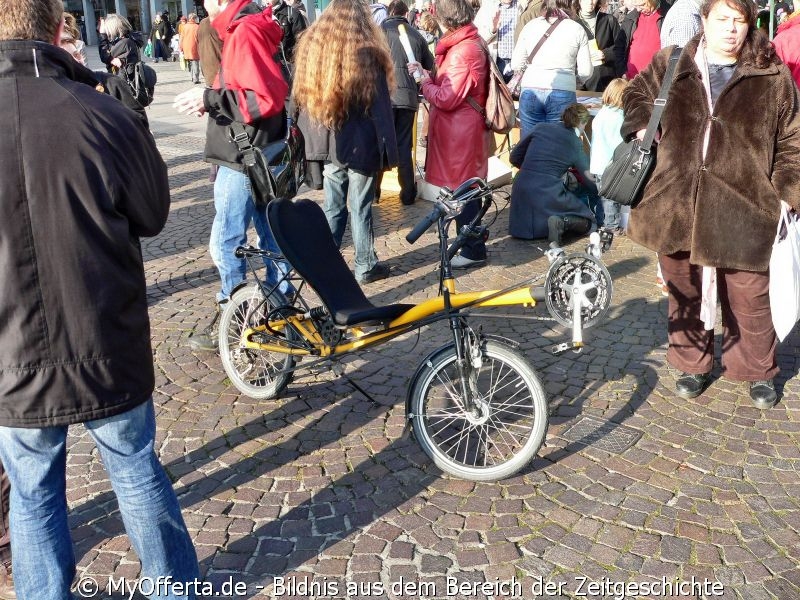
(353, 79)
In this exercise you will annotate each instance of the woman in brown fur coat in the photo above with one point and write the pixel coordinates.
(729, 152)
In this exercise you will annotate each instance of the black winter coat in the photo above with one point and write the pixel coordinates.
(293, 22)
(605, 33)
(365, 142)
(74, 329)
(406, 95)
(127, 49)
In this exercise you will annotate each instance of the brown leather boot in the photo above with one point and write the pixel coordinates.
(6, 583)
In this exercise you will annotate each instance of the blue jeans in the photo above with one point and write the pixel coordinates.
(542, 106)
(348, 189)
(235, 210)
(41, 545)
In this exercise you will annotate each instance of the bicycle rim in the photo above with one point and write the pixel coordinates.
(255, 373)
(496, 440)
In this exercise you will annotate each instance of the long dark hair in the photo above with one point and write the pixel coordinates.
(757, 49)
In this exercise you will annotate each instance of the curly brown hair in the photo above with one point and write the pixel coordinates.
(338, 61)
(757, 49)
(30, 20)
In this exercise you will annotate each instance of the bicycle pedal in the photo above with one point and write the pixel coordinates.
(560, 348)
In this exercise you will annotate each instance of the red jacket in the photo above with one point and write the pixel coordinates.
(787, 45)
(249, 42)
(458, 144)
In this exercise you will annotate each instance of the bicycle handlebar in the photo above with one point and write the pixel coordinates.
(470, 230)
(448, 200)
(423, 225)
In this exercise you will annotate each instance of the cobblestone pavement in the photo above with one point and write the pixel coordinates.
(319, 487)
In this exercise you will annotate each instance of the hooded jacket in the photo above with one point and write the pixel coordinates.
(127, 49)
(723, 208)
(249, 87)
(74, 329)
(787, 45)
(458, 145)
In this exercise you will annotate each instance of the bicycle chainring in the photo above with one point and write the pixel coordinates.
(330, 334)
(578, 272)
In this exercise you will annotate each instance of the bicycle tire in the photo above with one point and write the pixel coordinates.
(514, 398)
(253, 372)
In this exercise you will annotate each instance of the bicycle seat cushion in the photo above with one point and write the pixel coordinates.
(302, 233)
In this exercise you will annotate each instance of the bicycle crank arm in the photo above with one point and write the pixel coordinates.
(576, 347)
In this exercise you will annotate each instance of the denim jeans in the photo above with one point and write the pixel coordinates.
(41, 545)
(348, 189)
(235, 210)
(612, 217)
(539, 106)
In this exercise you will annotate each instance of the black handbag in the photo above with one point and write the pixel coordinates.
(278, 170)
(633, 162)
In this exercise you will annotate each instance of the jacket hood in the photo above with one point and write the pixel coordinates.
(450, 39)
(794, 21)
(239, 12)
(137, 37)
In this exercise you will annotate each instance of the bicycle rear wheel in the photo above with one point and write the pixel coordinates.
(501, 435)
(256, 373)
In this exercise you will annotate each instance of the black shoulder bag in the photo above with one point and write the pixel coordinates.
(278, 170)
(633, 162)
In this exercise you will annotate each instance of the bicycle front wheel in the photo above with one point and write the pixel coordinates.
(500, 434)
(256, 373)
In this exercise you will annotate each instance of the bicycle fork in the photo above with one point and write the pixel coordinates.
(469, 361)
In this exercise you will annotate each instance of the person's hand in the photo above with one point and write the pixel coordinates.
(424, 75)
(190, 102)
(102, 28)
(641, 132)
(116, 62)
(496, 20)
(597, 57)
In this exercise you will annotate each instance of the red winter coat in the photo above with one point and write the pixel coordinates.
(458, 141)
(787, 45)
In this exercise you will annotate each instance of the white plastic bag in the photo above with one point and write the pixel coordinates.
(784, 274)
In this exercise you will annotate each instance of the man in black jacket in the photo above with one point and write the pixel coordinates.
(290, 15)
(74, 333)
(405, 98)
(639, 36)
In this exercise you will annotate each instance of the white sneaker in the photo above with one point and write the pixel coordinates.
(462, 262)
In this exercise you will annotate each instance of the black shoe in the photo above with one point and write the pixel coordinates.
(691, 385)
(208, 339)
(762, 393)
(376, 273)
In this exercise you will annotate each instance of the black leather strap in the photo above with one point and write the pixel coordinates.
(660, 102)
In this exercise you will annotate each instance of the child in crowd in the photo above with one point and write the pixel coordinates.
(175, 46)
(605, 138)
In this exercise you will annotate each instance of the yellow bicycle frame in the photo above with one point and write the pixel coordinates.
(411, 319)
